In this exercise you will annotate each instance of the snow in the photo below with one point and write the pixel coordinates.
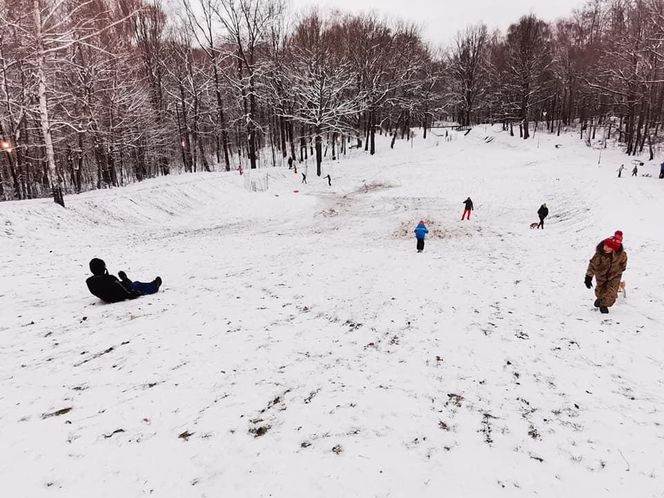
(477, 368)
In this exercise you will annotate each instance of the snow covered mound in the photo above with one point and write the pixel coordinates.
(300, 347)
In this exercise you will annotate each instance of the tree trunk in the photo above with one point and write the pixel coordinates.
(524, 115)
(334, 146)
(291, 132)
(186, 139)
(319, 152)
(282, 137)
(303, 145)
(222, 118)
(251, 126)
(53, 177)
(182, 144)
(12, 167)
(372, 134)
(201, 150)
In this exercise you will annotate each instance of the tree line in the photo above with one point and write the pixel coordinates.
(100, 93)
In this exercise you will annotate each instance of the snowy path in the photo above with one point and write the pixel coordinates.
(301, 347)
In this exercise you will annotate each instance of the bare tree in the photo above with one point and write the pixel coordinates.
(203, 29)
(325, 100)
(247, 23)
(469, 67)
(528, 58)
(48, 28)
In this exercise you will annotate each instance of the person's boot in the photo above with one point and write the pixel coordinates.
(603, 309)
(157, 282)
(597, 304)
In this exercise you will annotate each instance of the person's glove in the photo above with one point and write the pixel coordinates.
(589, 281)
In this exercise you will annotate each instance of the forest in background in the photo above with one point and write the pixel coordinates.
(100, 93)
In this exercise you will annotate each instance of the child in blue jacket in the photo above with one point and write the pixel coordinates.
(420, 232)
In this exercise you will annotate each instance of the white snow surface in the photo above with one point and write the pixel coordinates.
(302, 348)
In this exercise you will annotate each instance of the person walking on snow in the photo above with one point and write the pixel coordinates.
(620, 170)
(420, 232)
(469, 207)
(607, 266)
(542, 212)
(111, 290)
(635, 171)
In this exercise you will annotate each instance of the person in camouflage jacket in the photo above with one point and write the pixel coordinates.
(607, 266)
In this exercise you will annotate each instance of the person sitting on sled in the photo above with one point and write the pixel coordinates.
(111, 290)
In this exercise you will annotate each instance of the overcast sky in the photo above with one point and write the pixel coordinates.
(441, 19)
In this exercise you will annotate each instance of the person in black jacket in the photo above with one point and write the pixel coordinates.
(469, 207)
(542, 212)
(111, 290)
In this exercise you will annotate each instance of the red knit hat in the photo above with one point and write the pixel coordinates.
(614, 242)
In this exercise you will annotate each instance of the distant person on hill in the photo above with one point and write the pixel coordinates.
(469, 207)
(111, 290)
(420, 232)
(661, 171)
(290, 162)
(607, 266)
(635, 171)
(329, 180)
(304, 178)
(542, 212)
(620, 170)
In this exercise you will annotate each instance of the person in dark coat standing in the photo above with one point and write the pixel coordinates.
(542, 212)
(469, 207)
(635, 171)
(111, 290)
(421, 231)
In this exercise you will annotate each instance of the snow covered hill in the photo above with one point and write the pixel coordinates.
(300, 347)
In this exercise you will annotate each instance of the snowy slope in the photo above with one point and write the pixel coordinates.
(311, 352)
